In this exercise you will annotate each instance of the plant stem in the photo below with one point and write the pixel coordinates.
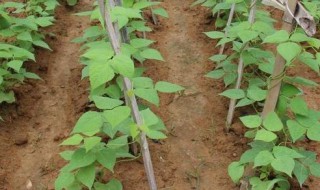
(115, 41)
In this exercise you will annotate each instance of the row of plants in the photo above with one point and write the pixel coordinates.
(102, 137)
(276, 155)
(20, 34)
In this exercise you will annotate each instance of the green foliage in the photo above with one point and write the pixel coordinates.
(274, 154)
(101, 138)
(22, 35)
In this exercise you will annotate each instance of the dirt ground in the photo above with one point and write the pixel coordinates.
(195, 155)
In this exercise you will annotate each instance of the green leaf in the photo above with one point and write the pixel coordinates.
(283, 164)
(235, 171)
(99, 74)
(42, 44)
(299, 106)
(128, 12)
(74, 140)
(150, 95)
(87, 175)
(272, 122)
(215, 34)
(249, 156)
(280, 151)
(315, 169)
(247, 35)
(289, 90)
(151, 54)
(118, 142)
(296, 130)
(91, 142)
(217, 58)
(140, 43)
(301, 172)
(167, 87)
(81, 158)
(114, 184)
(256, 93)
(107, 158)
(72, 2)
(307, 121)
(15, 64)
(289, 50)
(216, 74)
(264, 158)
(88, 122)
(142, 82)
(278, 37)
(313, 133)
(25, 36)
(106, 103)
(117, 115)
(233, 93)
(229, 78)
(64, 180)
(152, 134)
(251, 121)
(149, 118)
(299, 37)
(244, 102)
(123, 65)
(66, 155)
(301, 80)
(44, 21)
(7, 97)
(161, 11)
(266, 136)
(31, 75)
(144, 4)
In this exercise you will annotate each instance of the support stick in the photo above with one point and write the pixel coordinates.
(231, 14)
(275, 83)
(232, 104)
(154, 17)
(113, 35)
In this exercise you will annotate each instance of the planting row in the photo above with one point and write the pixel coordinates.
(116, 128)
(256, 75)
(20, 25)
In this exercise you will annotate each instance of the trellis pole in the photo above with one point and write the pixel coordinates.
(276, 79)
(232, 104)
(154, 17)
(131, 101)
(231, 14)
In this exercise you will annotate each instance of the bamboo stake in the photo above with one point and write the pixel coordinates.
(232, 104)
(275, 83)
(154, 17)
(231, 14)
(113, 35)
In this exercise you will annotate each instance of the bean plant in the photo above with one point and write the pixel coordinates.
(20, 25)
(275, 154)
(102, 136)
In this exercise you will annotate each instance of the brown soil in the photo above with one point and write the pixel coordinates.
(195, 155)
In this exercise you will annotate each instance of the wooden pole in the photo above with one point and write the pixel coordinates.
(231, 14)
(275, 83)
(232, 104)
(115, 41)
(154, 17)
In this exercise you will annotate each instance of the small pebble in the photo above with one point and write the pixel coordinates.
(21, 140)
